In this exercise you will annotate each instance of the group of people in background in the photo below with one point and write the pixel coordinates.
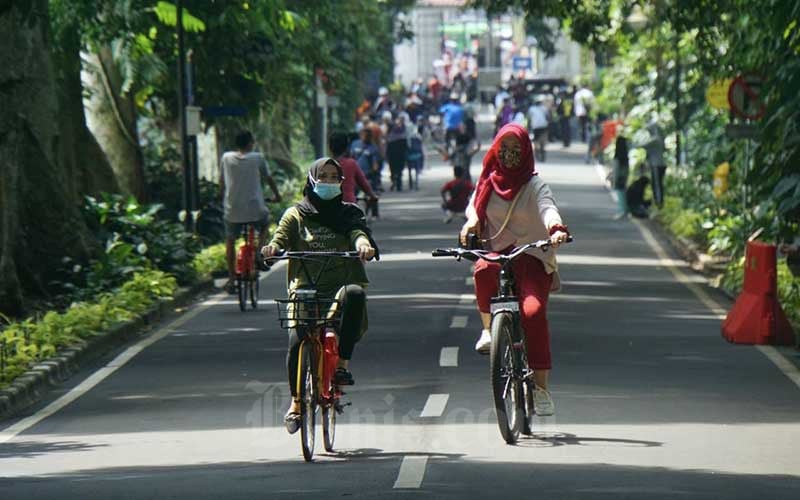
(554, 116)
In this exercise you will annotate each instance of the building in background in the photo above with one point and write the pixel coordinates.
(449, 39)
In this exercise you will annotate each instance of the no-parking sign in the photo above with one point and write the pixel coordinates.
(744, 96)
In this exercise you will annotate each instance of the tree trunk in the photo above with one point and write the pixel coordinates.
(112, 118)
(40, 220)
(80, 154)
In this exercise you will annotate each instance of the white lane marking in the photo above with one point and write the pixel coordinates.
(784, 365)
(459, 322)
(448, 356)
(466, 298)
(26, 423)
(434, 406)
(412, 471)
(470, 281)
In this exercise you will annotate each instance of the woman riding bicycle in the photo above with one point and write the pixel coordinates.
(322, 222)
(512, 206)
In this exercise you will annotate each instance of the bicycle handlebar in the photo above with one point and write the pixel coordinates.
(299, 255)
(543, 245)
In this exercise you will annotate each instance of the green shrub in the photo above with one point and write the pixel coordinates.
(684, 222)
(210, 260)
(165, 244)
(35, 339)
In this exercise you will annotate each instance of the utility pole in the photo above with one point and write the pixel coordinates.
(193, 159)
(187, 175)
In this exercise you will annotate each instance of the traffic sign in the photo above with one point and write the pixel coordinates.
(717, 93)
(744, 97)
(522, 62)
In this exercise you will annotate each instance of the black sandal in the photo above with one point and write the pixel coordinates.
(292, 421)
(343, 377)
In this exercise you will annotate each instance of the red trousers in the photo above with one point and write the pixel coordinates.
(533, 288)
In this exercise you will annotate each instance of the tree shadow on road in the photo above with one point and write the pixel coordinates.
(28, 449)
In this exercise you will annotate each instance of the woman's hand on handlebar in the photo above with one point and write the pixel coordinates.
(557, 238)
(269, 251)
(473, 225)
(365, 250)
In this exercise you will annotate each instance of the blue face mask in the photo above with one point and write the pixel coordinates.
(327, 191)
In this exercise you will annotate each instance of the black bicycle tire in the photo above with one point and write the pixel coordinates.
(502, 336)
(329, 427)
(528, 412)
(254, 286)
(308, 402)
(241, 287)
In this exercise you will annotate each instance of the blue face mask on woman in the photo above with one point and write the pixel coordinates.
(327, 191)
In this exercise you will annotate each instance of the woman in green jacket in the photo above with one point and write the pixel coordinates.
(322, 222)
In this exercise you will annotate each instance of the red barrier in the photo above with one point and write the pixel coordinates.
(757, 317)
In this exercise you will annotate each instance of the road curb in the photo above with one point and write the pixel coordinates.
(31, 385)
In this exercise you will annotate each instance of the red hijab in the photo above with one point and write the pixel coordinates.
(496, 177)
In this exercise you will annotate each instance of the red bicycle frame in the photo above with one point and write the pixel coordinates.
(246, 256)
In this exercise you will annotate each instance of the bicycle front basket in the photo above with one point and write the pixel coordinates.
(305, 309)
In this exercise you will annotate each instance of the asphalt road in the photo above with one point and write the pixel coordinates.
(651, 402)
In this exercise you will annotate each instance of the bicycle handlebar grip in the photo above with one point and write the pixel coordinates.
(441, 252)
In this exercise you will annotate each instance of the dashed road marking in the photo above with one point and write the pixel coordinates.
(435, 405)
(459, 322)
(448, 356)
(412, 472)
(467, 298)
(470, 281)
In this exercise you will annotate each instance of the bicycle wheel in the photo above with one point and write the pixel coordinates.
(506, 386)
(527, 408)
(241, 286)
(308, 401)
(254, 285)
(329, 426)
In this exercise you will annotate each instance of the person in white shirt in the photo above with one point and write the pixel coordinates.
(584, 99)
(509, 189)
(242, 174)
(537, 125)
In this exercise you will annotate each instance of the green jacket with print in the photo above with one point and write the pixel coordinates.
(297, 233)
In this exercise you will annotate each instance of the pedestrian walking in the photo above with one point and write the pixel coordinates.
(396, 152)
(416, 157)
(654, 148)
(564, 111)
(621, 171)
(538, 124)
(584, 100)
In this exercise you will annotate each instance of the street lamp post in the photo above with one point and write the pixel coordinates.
(187, 176)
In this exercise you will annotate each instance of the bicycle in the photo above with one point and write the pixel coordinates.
(369, 206)
(247, 274)
(511, 377)
(316, 319)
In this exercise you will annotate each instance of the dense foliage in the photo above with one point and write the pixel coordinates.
(37, 338)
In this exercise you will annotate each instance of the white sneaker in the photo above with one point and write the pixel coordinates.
(543, 403)
(484, 343)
